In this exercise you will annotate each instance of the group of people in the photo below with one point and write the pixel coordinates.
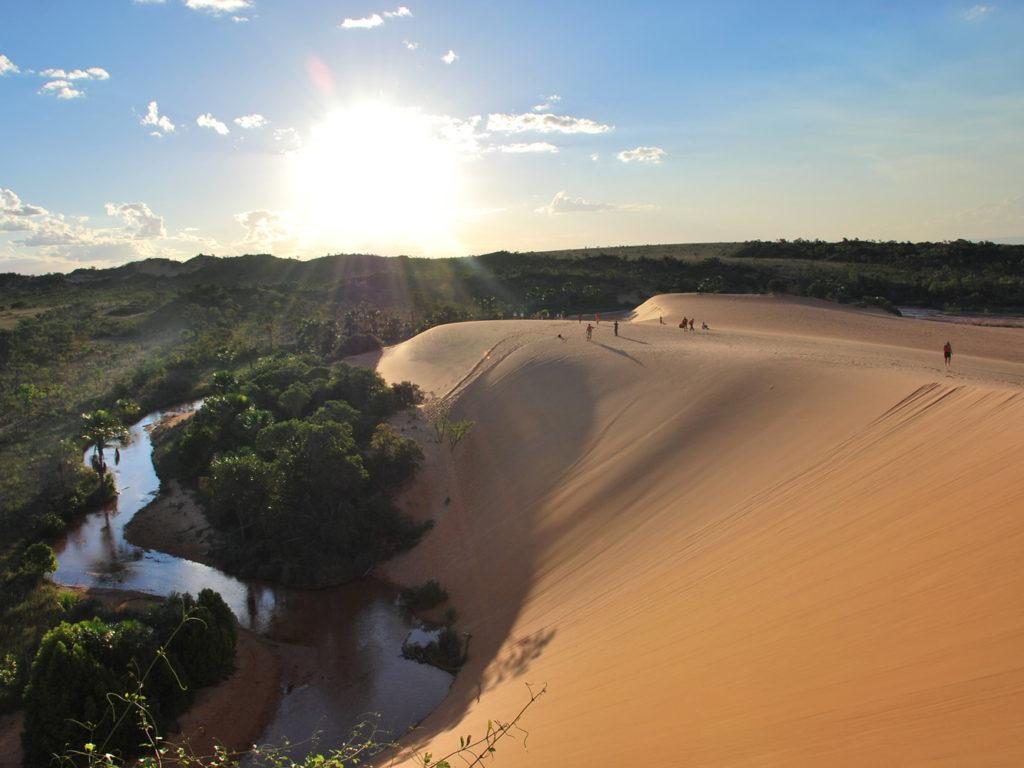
(687, 323)
(590, 329)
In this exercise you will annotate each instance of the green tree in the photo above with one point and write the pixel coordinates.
(99, 428)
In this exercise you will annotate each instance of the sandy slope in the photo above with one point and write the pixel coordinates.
(794, 540)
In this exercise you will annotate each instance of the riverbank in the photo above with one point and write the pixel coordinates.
(175, 523)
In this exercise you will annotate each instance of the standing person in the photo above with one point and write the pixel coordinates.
(597, 318)
(590, 331)
(661, 320)
(683, 324)
(947, 352)
(579, 316)
(616, 326)
(691, 323)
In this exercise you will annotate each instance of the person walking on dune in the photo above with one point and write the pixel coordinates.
(616, 327)
(691, 323)
(590, 331)
(947, 353)
(683, 324)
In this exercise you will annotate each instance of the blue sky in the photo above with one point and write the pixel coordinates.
(447, 128)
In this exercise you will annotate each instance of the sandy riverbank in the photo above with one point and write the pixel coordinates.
(175, 523)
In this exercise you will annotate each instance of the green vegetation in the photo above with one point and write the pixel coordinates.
(88, 675)
(297, 466)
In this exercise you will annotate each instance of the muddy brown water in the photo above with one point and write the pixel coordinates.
(341, 646)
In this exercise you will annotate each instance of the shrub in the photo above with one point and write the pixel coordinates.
(428, 595)
(75, 670)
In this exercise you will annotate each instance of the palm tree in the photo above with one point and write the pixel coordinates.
(100, 427)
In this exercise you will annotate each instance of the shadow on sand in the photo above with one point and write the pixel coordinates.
(619, 352)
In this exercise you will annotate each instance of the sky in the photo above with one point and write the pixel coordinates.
(165, 128)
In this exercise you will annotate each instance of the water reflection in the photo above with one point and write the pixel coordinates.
(341, 646)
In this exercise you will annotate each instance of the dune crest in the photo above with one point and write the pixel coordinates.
(793, 540)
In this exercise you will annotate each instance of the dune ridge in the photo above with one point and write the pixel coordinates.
(793, 540)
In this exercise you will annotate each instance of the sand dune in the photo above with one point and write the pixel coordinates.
(794, 540)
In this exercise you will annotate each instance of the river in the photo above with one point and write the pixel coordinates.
(344, 643)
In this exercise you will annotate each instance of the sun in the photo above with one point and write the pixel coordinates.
(375, 177)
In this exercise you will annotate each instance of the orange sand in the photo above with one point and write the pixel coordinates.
(795, 540)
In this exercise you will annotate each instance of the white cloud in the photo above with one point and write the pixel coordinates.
(287, 140)
(595, 157)
(11, 206)
(978, 12)
(8, 67)
(376, 19)
(651, 155)
(240, 19)
(162, 123)
(209, 121)
(251, 121)
(140, 222)
(562, 203)
(57, 241)
(92, 73)
(64, 84)
(218, 7)
(264, 227)
(410, 45)
(547, 103)
(451, 57)
(62, 89)
(368, 22)
(507, 123)
(528, 148)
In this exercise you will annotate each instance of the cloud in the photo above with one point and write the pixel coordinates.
(13, 212)
(264, 227)
(529, 121)
(209, 121)
(532, 147)
(218, 7)
(64, 83)
(978, 12)
(650, 155)
(547, 103)
(368, 22)
(595, 157)
(57, 241)
(410, 45)
(251, 121)
(62, 89)
(8, 67)
(92, 73)
(451, 57)
(140, 222)
(240, 19)
(287, 140)
(562, 203)
(376, 19)
(162, 123)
